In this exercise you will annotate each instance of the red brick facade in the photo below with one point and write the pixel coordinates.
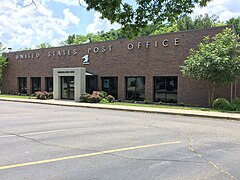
(149, 56)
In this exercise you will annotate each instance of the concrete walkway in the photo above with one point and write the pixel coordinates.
(199, 113)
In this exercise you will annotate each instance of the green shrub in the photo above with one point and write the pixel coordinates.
(110, 98)
(146, 101)
(104, 100)
(96, 93)
(84, 97)
(50, 95)
(221, 104)
(41, 95)
(97, 97)
(94, 99)
(236, 104)
(103, 94)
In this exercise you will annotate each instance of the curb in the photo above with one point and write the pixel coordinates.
(129, 109)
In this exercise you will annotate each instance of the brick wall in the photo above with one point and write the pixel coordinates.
(120, 62)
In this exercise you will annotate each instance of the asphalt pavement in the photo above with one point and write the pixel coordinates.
(39, 141)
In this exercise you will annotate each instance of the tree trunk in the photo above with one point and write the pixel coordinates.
(211, 94)
(1, 74)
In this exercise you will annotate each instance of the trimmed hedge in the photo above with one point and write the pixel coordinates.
(96, 97)
(43, 95)
(221, 104)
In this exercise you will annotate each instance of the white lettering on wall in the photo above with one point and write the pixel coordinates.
(103, 49)
(110, 48)
(98, 49)
(165, 43)
(139, 45)
(27, 56)
(176, 41)
(130, 46)
(74, 51)
(59, 53)
(148, 44)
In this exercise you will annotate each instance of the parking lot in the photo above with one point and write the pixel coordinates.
(57, 142)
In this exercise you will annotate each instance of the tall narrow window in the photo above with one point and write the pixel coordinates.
(91, 83)
(135, 88)
(36, 84)
(165, 89)
(22, 85)
(49, 84)
(110, 85)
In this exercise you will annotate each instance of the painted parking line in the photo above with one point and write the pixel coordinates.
(87, 155)
(40, 132)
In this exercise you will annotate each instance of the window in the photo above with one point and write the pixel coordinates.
(110, 85)
(22, 85)
(135, 88)
(36, 84)
(49, 84)
(165, 89)
(91, 83)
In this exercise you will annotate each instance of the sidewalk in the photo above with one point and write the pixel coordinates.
(198, 113)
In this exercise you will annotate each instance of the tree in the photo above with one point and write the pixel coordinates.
(236, 23)
(43, 45)
(3, 63)
(216, 60)
(199, 22)
(166, 28)
(70, 39)
(133, 18)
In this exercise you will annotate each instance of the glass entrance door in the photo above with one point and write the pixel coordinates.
(67, 87)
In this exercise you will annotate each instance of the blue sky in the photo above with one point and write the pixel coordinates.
(53, 20)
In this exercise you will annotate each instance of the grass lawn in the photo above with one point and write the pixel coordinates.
(171, 107)
(161, 106)
(137, 104)
(15, 96)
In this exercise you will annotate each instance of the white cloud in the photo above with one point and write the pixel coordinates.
(224, 9)
(70, 18)
(100, 24)
(69, 2)
(23, 27)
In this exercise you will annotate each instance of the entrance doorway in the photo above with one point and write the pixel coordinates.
(67, 87)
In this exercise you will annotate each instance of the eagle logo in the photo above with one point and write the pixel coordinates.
(86, 59)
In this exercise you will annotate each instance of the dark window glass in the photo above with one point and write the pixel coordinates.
(22, 85)
(67, 87)
(91, 83)
(135, 88)
(36, 84)
(165, 89)
(49, 84)
(110, 85)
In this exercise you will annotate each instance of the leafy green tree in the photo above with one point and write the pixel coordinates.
(70, 39)
(133, 18)
(166, 28)
(3, 63)
(24, 49)
(216, 60)
(199, 22)
(236, 23)
(43, 45)
(80, 39)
